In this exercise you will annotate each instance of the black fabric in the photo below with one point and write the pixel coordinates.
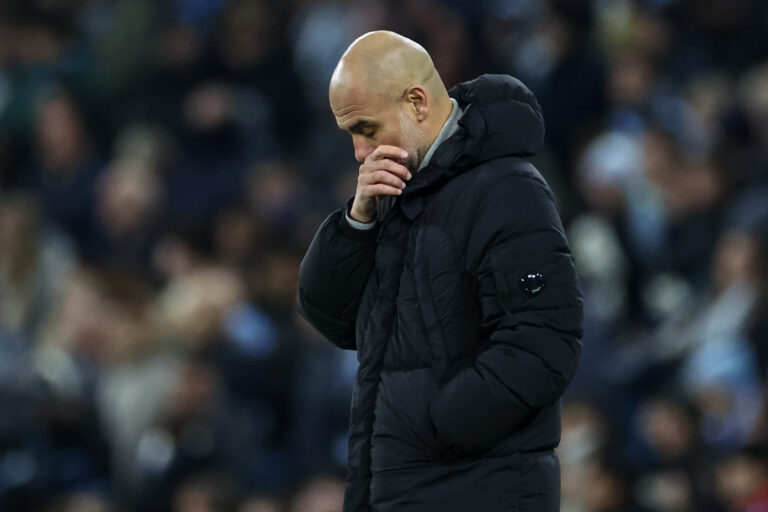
(457, 401)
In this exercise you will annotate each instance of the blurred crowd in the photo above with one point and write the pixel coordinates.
(164, 164)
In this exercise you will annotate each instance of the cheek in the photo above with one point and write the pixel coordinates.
(392, 138)
(411, 140)
(412, 132)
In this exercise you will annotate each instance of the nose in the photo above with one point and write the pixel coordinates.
(363, 148)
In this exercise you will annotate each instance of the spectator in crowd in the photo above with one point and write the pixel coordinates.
(742, 481)
(261, 504)
(63, 170)
(207, 492)
(34, 260)
(320, 494)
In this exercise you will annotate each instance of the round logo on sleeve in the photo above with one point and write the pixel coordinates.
(532, 283)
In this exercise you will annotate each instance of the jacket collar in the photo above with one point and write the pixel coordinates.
(500, 117)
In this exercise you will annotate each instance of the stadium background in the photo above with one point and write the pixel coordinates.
(163, 166)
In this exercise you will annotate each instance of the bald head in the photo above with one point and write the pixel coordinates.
(387, 63)
(382, 70)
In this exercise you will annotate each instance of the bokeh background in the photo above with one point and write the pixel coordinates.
(164, 164)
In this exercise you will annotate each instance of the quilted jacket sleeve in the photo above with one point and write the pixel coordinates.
(534, 335)
(333, 276)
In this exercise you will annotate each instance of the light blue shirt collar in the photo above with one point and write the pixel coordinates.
(449, 128)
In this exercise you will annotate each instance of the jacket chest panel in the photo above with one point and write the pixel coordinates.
(449, 307)
(434, 316)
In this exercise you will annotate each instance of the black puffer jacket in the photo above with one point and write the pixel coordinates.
(465, 310)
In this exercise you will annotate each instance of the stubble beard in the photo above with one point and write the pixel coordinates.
(413, 136)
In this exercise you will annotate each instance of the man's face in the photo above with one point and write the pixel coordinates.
(374, 120)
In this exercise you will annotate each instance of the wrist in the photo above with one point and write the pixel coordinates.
(355, 214)
(355, 230)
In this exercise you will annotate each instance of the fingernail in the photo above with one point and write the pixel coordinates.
(399, 192)
(410, 176)
(402, 185)
(404, 154)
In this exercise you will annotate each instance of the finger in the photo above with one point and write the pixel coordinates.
(396, 168)
(380, 178)
(385, 151)
(380, 189)
(388, 165)
(385, 178)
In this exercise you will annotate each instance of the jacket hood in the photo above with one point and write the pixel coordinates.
(501, 118)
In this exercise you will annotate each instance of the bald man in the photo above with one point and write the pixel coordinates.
(449, 272)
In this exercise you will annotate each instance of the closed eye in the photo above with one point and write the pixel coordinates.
(364, 128)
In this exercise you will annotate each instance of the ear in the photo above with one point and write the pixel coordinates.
(418, 102)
